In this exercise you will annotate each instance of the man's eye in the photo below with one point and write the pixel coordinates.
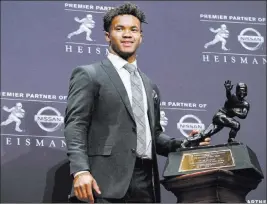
(118, 29)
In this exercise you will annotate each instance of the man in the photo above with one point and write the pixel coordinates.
(112, 121)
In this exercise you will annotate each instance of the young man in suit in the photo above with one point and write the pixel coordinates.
(112, 121)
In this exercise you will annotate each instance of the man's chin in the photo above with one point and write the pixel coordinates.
(126, 55)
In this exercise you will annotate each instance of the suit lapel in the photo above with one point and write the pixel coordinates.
(150, 102)
(117, 82)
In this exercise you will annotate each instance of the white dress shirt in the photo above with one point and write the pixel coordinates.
(118, 63)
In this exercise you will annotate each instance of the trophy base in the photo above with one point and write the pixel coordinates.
(220, 173)
(211, 186)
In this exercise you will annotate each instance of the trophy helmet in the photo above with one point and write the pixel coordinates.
(223, 26)
(241, 90)
(89, 16)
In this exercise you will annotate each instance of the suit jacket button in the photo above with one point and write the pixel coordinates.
(133, 150)
(134, 129)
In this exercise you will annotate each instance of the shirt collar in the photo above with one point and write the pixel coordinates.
(118, 62)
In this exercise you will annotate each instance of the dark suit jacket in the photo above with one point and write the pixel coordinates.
(100, 129)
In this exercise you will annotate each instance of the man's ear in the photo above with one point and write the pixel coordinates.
(107, 37)
(141, 38)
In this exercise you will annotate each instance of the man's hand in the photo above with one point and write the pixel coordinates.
(84, 184)
(203, 143)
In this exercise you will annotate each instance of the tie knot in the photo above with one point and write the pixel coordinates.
(130, 67)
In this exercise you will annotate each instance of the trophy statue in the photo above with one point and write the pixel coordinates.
(234, 106)
(218, 173)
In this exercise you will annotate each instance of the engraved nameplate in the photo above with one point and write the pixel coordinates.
(206, 160)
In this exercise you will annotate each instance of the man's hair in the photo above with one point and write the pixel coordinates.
(125, 9)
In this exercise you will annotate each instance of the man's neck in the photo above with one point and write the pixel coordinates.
(129, 59)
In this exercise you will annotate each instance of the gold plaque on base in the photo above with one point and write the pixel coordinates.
(206, 160)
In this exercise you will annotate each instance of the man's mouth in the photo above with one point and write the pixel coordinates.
(127, 43)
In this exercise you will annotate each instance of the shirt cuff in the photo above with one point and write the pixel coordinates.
(79, 172)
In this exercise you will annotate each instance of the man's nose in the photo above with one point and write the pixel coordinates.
(127, 33)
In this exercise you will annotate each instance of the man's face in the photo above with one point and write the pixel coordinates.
(124, 35)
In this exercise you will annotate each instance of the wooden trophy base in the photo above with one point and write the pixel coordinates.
(212, 174)
(211, 186)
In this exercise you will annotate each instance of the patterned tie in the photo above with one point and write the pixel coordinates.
(138, 108)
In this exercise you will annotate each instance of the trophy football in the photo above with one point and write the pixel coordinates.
(215, 173)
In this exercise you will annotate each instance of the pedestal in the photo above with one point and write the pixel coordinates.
(213, 174)
(211, 186)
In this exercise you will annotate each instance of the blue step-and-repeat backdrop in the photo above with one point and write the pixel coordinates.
(189, 50)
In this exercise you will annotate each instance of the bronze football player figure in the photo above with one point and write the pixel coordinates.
(234, 106)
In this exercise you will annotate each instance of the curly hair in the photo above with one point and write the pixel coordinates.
(125, 9)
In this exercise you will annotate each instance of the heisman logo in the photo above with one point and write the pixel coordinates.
(163, 120)
(86, 26)
(184, 126)
(221, 34)
(16, 113)
(55, 119)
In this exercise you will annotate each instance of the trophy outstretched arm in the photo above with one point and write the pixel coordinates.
(228, 87)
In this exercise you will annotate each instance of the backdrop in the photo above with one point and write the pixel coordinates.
(189, 50)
